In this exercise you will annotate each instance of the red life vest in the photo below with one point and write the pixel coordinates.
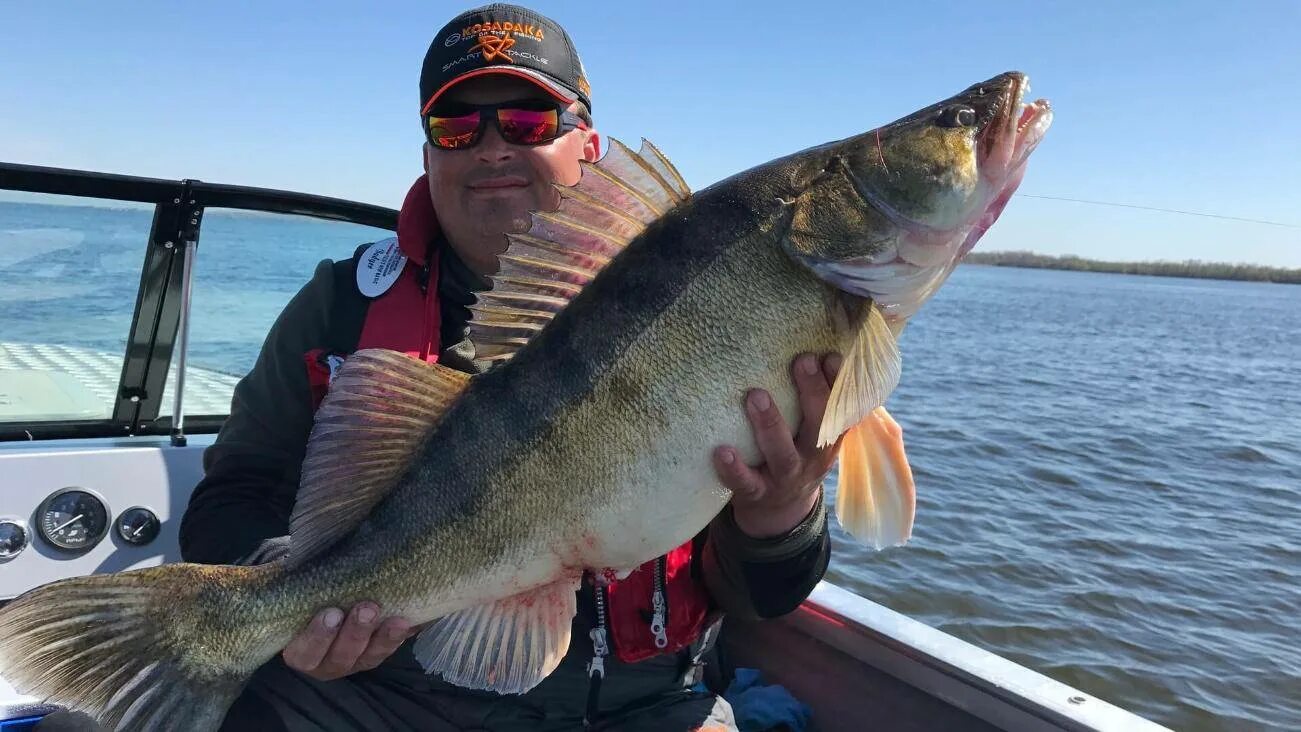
(389, 319)
(406, 318)
(635, 629)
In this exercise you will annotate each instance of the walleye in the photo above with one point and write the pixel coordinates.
(627, 324)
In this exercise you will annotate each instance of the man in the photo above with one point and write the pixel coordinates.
(506, 110)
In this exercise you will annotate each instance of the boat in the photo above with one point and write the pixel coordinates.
(114, 440)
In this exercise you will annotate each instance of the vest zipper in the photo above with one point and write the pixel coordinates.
(660, 604)
(596, 668)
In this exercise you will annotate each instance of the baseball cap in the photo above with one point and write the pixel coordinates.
(504, 39)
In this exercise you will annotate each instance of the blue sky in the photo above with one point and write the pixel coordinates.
(1188, 105)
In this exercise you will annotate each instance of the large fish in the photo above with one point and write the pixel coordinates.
(628, 324)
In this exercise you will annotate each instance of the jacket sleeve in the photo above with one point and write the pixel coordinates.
(764, 578)
(251, 471)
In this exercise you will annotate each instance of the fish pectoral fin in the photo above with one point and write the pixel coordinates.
(563, 250)
(507, 646)
(380, 408)
(869, 373)
(875, 497)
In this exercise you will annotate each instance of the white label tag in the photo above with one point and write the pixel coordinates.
(379, 267)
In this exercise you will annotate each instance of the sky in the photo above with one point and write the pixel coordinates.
(1189, 105)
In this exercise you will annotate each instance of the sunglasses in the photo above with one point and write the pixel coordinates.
(459, 126)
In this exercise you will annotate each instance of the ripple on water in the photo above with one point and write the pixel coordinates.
(1245, 454)
(1051, 476)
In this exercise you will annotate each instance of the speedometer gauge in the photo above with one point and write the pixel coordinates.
(72, 520)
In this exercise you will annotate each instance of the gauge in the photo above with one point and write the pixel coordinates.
(72, 519)
(13, 539)
(137, 525)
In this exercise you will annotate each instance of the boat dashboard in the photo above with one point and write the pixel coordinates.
(81, 508)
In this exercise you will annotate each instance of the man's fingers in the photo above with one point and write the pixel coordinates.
(307, 649)
(814, 388)
(390, 634)
(335, 645)
(745, 483)
(772, 435)
(351, 642)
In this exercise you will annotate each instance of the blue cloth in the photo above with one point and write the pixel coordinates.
(758, 707)
(23, 724)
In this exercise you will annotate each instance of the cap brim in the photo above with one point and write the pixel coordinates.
(558, 92)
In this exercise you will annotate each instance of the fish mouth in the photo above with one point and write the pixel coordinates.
(1014, 130)
(1014, 127)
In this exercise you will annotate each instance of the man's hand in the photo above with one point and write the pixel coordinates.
(772, 498)
(334, 645)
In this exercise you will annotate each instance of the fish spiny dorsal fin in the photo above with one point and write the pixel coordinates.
(545, 267)
(380, 408)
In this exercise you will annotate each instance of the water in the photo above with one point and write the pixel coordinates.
(1108, 467)
(1109, 478)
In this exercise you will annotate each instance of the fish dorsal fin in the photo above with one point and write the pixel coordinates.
(380, 408)
(869, 373)
(545, 267)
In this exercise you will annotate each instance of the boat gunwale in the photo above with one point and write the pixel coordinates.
(979, 682)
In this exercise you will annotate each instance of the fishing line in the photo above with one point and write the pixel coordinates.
(1163, 210)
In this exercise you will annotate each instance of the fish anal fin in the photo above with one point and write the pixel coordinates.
(869, 373)
(876, 498)
(380, 408)
(548, 265)
(508, 646)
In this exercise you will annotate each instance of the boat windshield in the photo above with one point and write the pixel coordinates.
(92, 287)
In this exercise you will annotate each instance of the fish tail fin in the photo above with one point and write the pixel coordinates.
(150, 649)
(876, 498)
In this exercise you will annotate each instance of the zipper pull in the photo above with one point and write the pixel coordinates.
(600, 649)
(657, 621)
(596, 669)
(600, 646)
(660, 606)
(596, 673)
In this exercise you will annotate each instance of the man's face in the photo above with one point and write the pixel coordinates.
(485, 191)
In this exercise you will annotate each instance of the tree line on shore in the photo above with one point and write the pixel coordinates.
(1187, 268)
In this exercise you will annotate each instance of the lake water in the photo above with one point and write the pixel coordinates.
(1108, 467)
(1108, 474)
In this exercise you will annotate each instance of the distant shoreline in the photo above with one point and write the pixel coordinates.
(1191, 268)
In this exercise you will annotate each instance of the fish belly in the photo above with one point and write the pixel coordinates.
(630, 467)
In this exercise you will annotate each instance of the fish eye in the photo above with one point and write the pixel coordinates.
(959, 116)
